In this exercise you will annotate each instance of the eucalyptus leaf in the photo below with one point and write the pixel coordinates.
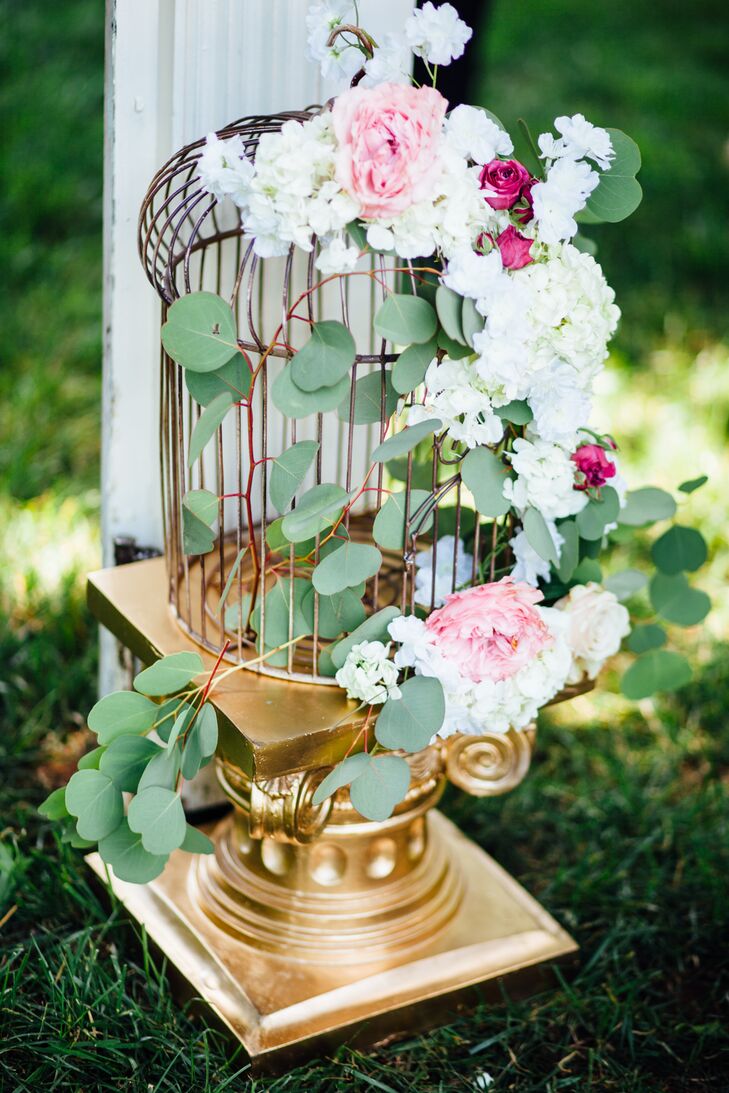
(317, 510)
(539, 536)
(380, 786)
(618, 194)
(202, 503)
(341, 775)
(517, 412)
(410, 367)
(388, 529)
(644, 638)
(472, 321)
(207, 425)
(161, 770)
(405, 319)
(449, 306)
(455, 351)
(200, 332)
(197, 537)
(626, 583)
(368, 398)
(126, 759)
(569, 552)
(676, 601)
(694, 483)
(409, 722)
(123, 851)
(158, 816)
(196, 842)
(679, 549)
(201, 742)
(346, 567)
(234, 377)
(286, 604)
(289, 470)
(169, 674)
(91, 760)
(598, 513)
(121, 712)
(374, 628)
(404, 441)
(655, 671)
(54, 806)
(96, 802)
(340, 613)
(325, 359)
(295, 403)
(646, 506)
(588, 570)
(484, 474)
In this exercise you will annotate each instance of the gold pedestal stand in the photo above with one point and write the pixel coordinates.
(310, 924)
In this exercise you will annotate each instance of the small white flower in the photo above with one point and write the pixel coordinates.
(545, 479)
(390, 63)
(437, 34)
(368, 675)
(475, 136)
(471, 274)
(379, 238)
(456, 395)
(225, 170)
(444, 558)
(580, 139)
(337, 257)
(564, 193)
(597, 624)
(338, 62)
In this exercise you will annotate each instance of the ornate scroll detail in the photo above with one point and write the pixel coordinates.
(486, 766)
(278, 808)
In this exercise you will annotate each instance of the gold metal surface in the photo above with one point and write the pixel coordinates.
(273, 1003)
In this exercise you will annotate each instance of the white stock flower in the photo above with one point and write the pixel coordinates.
(564, 193)
(437, 34)
(560, 406)
(597, 623)
(368, 674)
(336, 257)
(444, 558)
(456, 395)
(390, 63)
(475, 136)
(528, 565)
(579, 139)
(545, 479)
(225, 171)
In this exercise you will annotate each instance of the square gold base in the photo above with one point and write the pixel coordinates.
(282, 1010)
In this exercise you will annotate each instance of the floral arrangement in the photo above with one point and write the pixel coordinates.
(499, 347)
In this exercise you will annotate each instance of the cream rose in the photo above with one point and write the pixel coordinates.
(597, 624)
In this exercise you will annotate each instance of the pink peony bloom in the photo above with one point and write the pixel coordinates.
(515, 248)
(490, 631)
(503, 181)
(595, 466)
(388, 143)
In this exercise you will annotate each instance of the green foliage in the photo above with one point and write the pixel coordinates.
(380, 786)
(626, 583)
(289, 470)
(404, 441)
(199, 510)
(374, 628)
(409, 722)
(517, 412)
(325, 359)
(646, 506)
(484, 474)
(694, 484)
(569, 551)
(405, 320)
(287, 605)
(208, 424)
(678, 549)
(158, 816)
(346, 567)
(317, 510)
(340, 776)
(121, 712)
(644, 638)
(449, 306)
(124, 852)
(169, 674)
(539, 537)
(472, 321)
(368, 399)
(96, 802)
(389, 527)
(343, 611)
(598, 513)
(656, 671)
(410, 367)
(54, 806)
(234, 378)
(295, 403)
(618, 194)
(200, 332)
(675, 600)
(125, 760)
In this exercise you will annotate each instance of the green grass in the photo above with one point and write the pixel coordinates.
(620, 829)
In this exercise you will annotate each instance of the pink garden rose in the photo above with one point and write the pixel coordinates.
(490, 631)
(388, 145)
(514, 248)
(503, 181)
(595, 466)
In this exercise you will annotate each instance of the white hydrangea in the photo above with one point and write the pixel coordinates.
(545, 479)
(336, 257)
(339, 62)
(225, 170)
(528, 565)
(579, 139)
(560, 406)
(563, 193)
(444, 558)
(596, 625)
(475, 136)
(489, 706)
(368, 674)
(437, 34)
(456, 395)
(471, 274)
(390, 63)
